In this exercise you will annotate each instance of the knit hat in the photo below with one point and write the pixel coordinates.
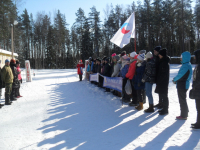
(123, 53)
(12, 61)
(125, 58)
(114, 54)
(133, 54)
(7, 60)
(141, 57)
(116, 57)
(142, 51)
(157, 48)
(163, 52)
(149, 55)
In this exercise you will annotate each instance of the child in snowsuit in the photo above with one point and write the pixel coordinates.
(80, 67)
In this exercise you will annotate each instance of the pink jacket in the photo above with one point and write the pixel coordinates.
(19, 75)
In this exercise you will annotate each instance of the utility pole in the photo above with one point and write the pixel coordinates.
(182, 30)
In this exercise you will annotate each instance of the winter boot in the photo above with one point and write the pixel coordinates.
(7, 100)
(150, 109)
(163, 112)
(140, 106)
(12, 97)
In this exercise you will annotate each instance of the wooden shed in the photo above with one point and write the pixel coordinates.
(6, 55)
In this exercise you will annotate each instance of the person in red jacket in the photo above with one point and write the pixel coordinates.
(130, 75)
(80, 67)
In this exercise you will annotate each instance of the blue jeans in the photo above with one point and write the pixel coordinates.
(148, 88)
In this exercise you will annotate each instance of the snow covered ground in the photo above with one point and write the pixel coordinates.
(59, 112)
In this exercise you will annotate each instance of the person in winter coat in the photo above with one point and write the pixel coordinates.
(98, 65)
(15, 84)
(117, 66)
(94, 67)
(149, 79)
(137, 79)
(123, 72)
(130, 74)
(80, 67)
(156, 59)
(107, 71)
(7, 77)
(182, 80)
(196, 88)
(17, 94)
(1, 86)
(163, 80)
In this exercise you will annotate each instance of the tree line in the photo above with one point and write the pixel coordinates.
(48, 42)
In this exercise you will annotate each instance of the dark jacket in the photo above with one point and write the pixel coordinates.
(98, 68)
(107, 70)
(162, 80)
(94, 69)
(15, 74)
(139, 73)
(124, 71)
(196, 74)
(156, 60)
(150, 71)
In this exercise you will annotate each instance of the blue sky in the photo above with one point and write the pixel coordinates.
(69, 7)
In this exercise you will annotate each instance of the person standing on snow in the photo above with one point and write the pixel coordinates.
(149, 79)
(163, 80)
(196, 88)
(107, 71)
(80, 67)
(130, 74)
(156, 59)
(7, 77)
(182, 80)
(17, 94)
(15, 84)
(137, 80)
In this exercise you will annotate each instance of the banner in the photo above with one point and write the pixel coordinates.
(94, 77)
(28, 71)
(113, 83)
(127, 31)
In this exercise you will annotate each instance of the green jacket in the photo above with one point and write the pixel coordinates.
(7, 75)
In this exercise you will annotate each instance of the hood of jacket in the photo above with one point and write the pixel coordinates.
(186, 57)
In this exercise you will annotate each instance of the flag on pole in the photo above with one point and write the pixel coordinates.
(127, 31)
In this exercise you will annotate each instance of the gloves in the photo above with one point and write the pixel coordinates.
(173, 81)
(143, 80)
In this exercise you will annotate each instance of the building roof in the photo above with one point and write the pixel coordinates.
(8, 52)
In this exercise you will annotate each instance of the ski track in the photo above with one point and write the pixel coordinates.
(59, 112)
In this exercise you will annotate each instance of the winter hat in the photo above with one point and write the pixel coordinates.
(157, 48)
(125, 58)
(7, 61)
(114, 54)
(12, 61)
(163, 52)
(141, 57)
(116, 57)
(133, 54)
(149, 55)
(142, 51)
(107, 59)
(17, 62)
(123, 53)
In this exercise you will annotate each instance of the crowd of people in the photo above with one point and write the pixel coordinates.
(142, 71)
(10, 79)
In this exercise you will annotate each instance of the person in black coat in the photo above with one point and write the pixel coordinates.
(163, 80)
(15, 84)
(196, 88)
(156, 60)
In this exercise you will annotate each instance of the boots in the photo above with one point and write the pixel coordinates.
(12, 95)
(140, 106)
(7, 100)
(150, 109)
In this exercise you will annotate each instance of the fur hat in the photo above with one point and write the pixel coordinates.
(133, 54)
(149, 55)
(163, 52)
(12, 61)
(141, 57)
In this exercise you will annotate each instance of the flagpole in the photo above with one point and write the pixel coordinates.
(135, 35)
